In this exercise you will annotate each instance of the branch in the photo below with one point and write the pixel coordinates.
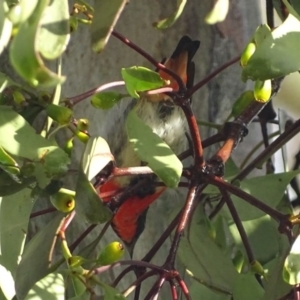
(158, 65)
(221, 184)
(268, 152)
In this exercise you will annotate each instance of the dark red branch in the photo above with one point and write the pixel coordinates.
(187, 210)
(221, 184)
(150, 59)
(239, 225)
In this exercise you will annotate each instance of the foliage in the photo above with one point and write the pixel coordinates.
(240, 236)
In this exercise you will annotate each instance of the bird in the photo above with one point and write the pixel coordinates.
(166, 120)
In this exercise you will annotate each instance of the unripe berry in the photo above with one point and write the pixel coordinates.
(63, 200)
(111, 253)
(262, 90)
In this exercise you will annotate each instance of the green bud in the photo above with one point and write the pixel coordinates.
(262, 90)
(73, 23)
(257, 268)
(111, 253)
(62, 115)
(83, 137)
(83, 124)
(238, 261)
(242, 103)
(63, 200)
(211, 229)
(106, 100)
(45, 97)
(8, 164)
(18, 97)
(76, 261)
(247, 53)
(68, 147)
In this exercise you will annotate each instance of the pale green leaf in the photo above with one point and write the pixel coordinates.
(107, 13)
(36, 258)
(218, 12)
(153, 150)
(278, 53)
(50, 287)
(169, 21)
(140, 79)
(88, 203)
(54, 35)
(24, 55)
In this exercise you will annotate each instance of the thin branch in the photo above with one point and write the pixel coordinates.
(208, 78)
(193, 192)
(76, 99)
(255, 148)
(138, 282)
(268, 152)
(195, 134)
(217, 208)
(42, 212)
(158, 65)
(239, 225)
(220, 183)
(136, 263)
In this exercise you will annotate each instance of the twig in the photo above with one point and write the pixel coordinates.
(220, 183)
(76, 99)
(268, 152)
(158, 65)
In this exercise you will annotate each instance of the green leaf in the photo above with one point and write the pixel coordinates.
(203, 258)
(5, 26)
(152, 149)
(296, 5)
(140, 79)
(53, 35)
(246, 287)
(107, 13)
(9, 186)
(111, 293)
(242, 102)
(18, 138)
(207, 293)
(36, 258)
(24, 55)
(9, 165)
(269, 189)
(14, 217)
(231, 168)
(88, 204)
(50, 287)
(85, 296)
(263, 236)
(106, 100)
(61, 114)
(261, 33)
(275, 286)
(218, 12)
(291, 270)
(278, 53)
(22, 10)
(169, 21)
